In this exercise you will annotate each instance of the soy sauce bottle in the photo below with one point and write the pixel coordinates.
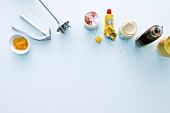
(150, 35)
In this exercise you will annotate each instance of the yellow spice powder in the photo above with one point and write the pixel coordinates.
(20, 43)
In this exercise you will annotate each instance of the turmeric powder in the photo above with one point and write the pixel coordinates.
(20, 43)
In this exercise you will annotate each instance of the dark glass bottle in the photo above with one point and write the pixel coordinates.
(150, 35)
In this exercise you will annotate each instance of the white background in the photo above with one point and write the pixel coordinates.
(72, 73)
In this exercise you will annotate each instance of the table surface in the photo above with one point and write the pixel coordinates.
(74, 74)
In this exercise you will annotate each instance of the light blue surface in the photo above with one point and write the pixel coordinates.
(72, 73)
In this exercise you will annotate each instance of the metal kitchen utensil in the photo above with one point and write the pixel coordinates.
(62, 26)
(45, 31)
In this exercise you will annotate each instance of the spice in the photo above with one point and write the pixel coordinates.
(20, 43)
(98, 39)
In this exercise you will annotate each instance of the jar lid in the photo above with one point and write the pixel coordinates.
(129, 28)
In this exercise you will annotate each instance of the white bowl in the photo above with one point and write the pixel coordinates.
(12, 45)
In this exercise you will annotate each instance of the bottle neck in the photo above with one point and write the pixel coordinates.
(156, 31)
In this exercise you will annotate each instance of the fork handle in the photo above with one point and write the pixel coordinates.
(32, 22)
(35, 37)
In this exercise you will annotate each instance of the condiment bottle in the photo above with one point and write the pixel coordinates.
(127, 30)
(149, 36)
(109, 31)
(109, 19)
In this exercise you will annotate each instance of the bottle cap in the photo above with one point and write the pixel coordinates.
(109, 11)
(157, 31)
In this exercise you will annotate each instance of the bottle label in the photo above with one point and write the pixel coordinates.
(109, 22)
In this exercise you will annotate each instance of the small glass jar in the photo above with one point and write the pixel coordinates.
(127, 30)
(91, 20)
(163, 47)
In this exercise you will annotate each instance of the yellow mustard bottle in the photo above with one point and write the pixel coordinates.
(109, 19)
(109, 31)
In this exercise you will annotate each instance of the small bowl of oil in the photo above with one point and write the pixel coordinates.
(19, 44)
